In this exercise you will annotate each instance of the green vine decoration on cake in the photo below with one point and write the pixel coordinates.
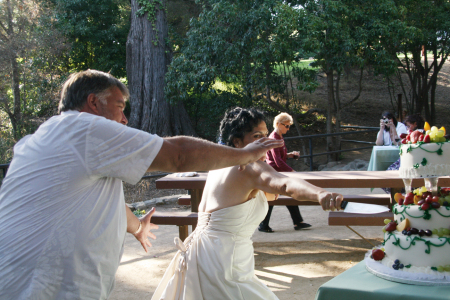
(434, 268)
(408, 266)
(423, 163)
(403, 210)
(426, 214)
(413, 240)
(409, 149)
(419, 145)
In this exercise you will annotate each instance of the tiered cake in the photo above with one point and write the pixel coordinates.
(416, 247)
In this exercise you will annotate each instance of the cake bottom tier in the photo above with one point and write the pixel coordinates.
(421, 252)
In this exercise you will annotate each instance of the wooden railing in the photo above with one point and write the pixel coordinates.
(311, 155)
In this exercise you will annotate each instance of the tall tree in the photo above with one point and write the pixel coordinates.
(148, 55)
(425, 46)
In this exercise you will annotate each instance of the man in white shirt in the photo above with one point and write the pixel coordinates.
(63, 216)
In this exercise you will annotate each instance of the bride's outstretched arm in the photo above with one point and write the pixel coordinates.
(265, 178)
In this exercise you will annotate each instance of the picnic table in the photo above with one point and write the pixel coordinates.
(324, 179)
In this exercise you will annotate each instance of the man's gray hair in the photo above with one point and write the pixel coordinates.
(80, 85)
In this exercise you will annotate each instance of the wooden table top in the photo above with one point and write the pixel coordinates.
(324, 179)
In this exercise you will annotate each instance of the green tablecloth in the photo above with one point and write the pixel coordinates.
(382, 157)
(358, 284)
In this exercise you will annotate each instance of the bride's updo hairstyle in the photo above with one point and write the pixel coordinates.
(237, 122)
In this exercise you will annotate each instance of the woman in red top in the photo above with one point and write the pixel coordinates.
(277, 159)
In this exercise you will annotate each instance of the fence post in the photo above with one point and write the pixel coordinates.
(310, 154)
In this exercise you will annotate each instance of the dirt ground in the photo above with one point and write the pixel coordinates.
(294, 264)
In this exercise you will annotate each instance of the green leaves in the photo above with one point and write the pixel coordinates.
(240, 42)
(97, 31)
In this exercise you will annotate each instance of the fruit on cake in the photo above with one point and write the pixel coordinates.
(425, 154)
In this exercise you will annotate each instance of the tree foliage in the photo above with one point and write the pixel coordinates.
(345, 34)
(97, 31)
(253, 47)
(29, 52)
(424, 45)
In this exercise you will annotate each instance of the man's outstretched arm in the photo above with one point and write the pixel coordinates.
(183, 153)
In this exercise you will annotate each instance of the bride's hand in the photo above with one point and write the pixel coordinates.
(330, 201)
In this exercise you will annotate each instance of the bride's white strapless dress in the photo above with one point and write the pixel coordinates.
(216, 260)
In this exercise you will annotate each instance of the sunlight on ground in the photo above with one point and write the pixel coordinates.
(273, 276)
(281, 278)
(309, 270)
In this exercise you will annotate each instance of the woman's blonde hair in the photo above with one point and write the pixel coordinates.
(282, 118)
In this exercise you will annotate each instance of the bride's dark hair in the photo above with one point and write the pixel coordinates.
(237, 122)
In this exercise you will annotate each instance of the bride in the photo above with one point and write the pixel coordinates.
(216, 260)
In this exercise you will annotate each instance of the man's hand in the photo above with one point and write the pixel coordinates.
(144, 232)
(260, 147)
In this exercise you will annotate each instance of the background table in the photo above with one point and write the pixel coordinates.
(382, 157)
(357, 283)
(324, 179)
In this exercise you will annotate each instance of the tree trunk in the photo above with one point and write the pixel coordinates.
(337, 126)
(330, 96)
(148, 56)
(15, 115)
(16, 120)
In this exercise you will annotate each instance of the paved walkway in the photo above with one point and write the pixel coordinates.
(290, 262)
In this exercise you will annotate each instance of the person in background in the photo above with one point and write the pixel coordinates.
(390, 130)
(413, 122)
(277, 159)
(217, 260)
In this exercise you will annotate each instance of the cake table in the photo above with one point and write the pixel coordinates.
(357, 283)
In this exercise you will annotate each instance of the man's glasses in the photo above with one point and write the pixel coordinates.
(287, 126)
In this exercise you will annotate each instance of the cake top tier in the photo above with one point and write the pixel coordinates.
(425, 153)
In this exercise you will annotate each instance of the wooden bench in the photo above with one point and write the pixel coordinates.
(381, 199)
(181, 219)
(337, 218)
(349, 219)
